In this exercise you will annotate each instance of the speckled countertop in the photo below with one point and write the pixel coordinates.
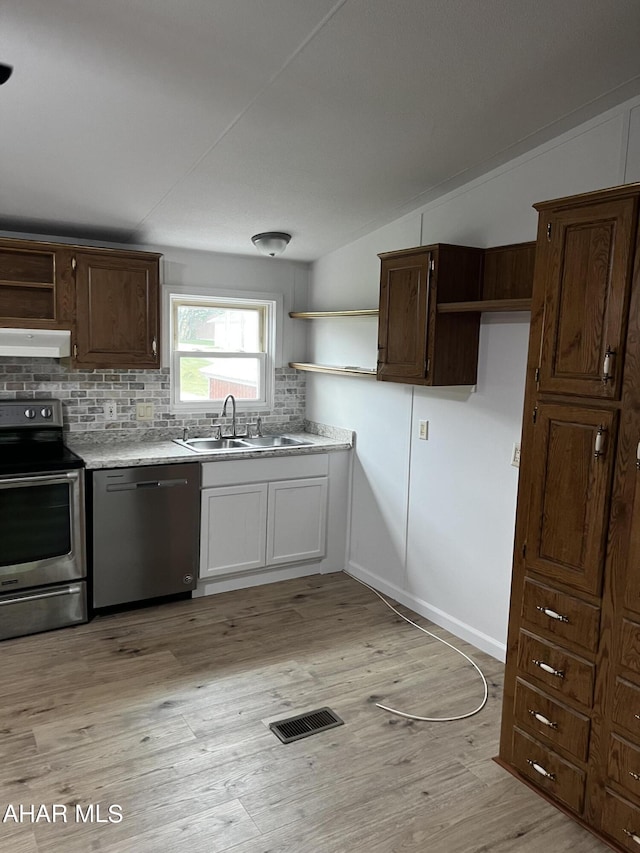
(123, 454)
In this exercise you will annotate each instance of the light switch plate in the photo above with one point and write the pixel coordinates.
(515, 455)
(110, 411)
(144, 411)
(423, 431)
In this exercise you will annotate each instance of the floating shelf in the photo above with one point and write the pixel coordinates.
(339, 371)
(481, 305)
(319, 315)
(39, 285)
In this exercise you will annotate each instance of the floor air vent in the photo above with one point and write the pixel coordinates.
(304, 725)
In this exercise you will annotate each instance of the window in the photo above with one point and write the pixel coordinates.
(221, 346)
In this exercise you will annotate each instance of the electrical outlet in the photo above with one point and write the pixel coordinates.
(423, 432)
(515, 455)
(110, 411)
(144, 411)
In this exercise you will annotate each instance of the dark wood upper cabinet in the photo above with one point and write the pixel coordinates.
(416, 343)
(36, 285)
(573, 454)
(117, 309)
(588, 272)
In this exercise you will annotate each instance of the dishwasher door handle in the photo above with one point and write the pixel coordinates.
(146, 484)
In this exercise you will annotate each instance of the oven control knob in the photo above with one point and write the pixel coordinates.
(46, 412)
(30, 413)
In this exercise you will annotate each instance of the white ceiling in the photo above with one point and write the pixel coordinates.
(198, 123)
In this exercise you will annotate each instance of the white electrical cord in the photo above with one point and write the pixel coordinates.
(440, 640)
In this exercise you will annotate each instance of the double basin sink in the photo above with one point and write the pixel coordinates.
(266, 442)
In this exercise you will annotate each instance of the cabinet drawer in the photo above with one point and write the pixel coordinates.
(543, 717)
(234, 472)
(558, 615)
(630, 646)
(626, 707)
(621, 820)
(572, 676)
(624, 764)
(557, 777)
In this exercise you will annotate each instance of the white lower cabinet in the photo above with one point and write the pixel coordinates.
(247, 525)
(234, 529)
(296, 520)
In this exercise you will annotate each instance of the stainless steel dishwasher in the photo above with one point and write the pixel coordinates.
(145, 537)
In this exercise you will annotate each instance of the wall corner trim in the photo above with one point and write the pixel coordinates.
(460, 629)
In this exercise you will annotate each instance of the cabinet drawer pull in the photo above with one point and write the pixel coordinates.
(552, 613)
(559, 673)
(542, 719)
(632, 835)
(635, 776)
(540, 769)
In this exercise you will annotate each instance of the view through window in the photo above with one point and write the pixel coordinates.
(219, 347)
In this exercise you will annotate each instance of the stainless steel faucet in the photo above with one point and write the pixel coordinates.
(223, 413)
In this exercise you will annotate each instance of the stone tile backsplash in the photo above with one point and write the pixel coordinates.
(85, 393)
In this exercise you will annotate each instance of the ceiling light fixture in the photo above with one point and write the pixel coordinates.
(271, 243)
(5, 72)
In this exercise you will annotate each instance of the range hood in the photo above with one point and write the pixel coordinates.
(35, 343)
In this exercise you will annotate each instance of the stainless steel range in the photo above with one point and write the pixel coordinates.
(42, 529)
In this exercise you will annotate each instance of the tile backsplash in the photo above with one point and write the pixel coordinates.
(85, 393)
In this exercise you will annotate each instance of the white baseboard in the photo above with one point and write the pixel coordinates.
(211, 586)
(461, 629)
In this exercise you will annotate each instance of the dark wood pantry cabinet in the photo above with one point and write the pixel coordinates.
(107, 298)
(571, 715)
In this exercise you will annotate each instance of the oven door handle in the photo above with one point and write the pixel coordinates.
(10, 482)
(66, 590)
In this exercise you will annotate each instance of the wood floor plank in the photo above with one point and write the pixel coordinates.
(165, 711)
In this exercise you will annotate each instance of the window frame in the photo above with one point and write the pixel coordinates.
(271, 304)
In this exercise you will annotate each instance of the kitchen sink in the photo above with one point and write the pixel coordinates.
(208, 445)
(211, 445)
(274, 441)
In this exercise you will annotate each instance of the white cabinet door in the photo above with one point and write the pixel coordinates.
(297, 519)
(233, 534)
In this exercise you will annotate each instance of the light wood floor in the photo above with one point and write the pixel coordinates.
(162, 711)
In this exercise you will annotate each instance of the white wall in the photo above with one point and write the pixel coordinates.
(432, 522)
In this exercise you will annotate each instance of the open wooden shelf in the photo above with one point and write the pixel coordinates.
(40, 285)
(319, 315)
(338, 371)
(484, 305)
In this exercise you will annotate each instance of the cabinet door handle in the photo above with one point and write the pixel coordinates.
(542, 719)
(559, 673)
(638, 456)
(635, 776)
(154, 347)
(632, 835)
(540, 769)
(75, 350)
(606, 367)
(551, 613)
(599, 442)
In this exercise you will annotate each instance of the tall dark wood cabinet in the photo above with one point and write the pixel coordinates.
(571, 715)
